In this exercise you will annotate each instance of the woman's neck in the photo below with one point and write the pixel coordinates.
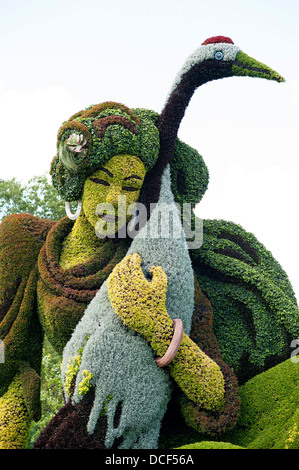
(80, 244)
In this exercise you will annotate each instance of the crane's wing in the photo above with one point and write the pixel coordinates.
(256, 314)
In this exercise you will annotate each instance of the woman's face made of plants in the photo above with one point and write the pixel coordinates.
(110, 194)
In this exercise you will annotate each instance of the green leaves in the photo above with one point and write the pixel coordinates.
(255, 309)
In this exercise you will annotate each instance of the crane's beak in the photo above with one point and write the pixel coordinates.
(243, 65)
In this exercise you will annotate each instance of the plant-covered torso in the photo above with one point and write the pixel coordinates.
(107, 301)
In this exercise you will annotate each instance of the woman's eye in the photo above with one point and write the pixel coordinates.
(99, 181)
(219, 55)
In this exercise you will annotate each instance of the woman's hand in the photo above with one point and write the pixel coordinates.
(140, 303)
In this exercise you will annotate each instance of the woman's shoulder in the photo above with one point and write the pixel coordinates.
(21, 238)
(17, 225)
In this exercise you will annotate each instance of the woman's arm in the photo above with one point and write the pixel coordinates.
(141, 305)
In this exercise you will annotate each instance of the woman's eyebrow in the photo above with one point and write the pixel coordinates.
(132, 176)
(107, 171)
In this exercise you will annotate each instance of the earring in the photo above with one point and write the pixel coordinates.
(68, 210)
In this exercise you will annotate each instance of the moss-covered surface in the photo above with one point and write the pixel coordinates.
(79, 245)
(269, 417)
(21, 237)
(255, 309)
(14, 417)
(210, 445)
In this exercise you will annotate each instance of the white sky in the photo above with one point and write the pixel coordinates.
(60, 56)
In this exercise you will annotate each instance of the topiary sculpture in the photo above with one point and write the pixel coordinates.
(108, 302)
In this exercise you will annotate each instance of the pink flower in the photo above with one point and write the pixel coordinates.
(76, 142)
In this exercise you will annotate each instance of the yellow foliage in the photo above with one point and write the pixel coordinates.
(117, 193)
(84, 385)
(14, 417)
(71, 371)
(292, 441)
(141, 305)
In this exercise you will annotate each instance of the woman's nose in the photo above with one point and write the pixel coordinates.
(113, 193)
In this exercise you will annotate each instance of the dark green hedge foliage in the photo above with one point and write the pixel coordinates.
(255, 310)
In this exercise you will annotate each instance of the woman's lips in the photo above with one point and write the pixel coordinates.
(108, 217)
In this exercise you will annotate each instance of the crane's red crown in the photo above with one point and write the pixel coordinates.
(216, 39)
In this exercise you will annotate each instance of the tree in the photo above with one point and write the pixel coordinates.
(37, 197)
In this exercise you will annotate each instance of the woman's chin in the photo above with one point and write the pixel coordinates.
(108, 230)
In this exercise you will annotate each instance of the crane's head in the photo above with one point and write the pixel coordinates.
(223, 51)
(219, 57)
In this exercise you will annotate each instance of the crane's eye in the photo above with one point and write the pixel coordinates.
(219, 55)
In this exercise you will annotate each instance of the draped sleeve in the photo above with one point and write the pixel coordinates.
(198, 418)
(21, 238)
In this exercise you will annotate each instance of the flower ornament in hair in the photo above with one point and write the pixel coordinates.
(72, 150)
(76, 142)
